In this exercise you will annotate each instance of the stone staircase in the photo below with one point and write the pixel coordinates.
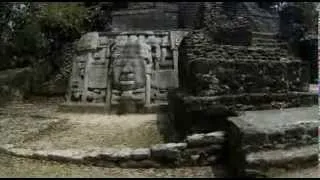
(267, 40)
(283, 158)
(257, 141)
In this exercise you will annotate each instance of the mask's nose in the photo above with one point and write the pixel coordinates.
(127, 73)
(127, 68)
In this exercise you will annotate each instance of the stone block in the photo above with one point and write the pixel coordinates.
(171, 151)
(218, 136)
(205, 150)
(205, 139)
(21, 152)
(141, 154)
(68, 155)
(122, 154)
(105, 154)
(89, 41)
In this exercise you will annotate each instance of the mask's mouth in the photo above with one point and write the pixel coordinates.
(127, 79)
(127, 83)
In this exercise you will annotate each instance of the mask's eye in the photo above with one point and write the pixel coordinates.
(147, 61)
(153, 49)
(118, 63)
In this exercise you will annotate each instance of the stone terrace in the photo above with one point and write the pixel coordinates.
(267, 139)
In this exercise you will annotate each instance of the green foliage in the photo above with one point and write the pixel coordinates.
(36, 30)
(63, 19)
(30, 40)
(12, 19)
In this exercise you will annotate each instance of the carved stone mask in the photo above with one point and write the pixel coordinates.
(129, 74)
(129, 70)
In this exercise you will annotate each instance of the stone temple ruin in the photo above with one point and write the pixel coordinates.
(253, 72)
(206, 77)
(130, 68)
(232, 72)
(135, 67)
(138, 62)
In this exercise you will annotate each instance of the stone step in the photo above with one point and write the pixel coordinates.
(289, 159)
(264, 45)
(239, 49)
(264, 35)
(267, 139)
(253, 48)
(267, 43)
(258, 40)
(278, 129)
(264, 42)
(271, 42)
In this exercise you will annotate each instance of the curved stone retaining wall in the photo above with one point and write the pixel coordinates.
(196, 150)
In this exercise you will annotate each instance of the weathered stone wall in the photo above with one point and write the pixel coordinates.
(183, 15)
(241, 102)
(208, 69)
(261, 20)
(193, 114)
(232, 22)
(223, 24)
(189, 115)
(188, 14)
(162, 16)
(196, 150)
(216, 81)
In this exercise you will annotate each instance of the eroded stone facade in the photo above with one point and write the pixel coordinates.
(137, 67)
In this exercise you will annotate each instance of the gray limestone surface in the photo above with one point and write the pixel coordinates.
(273, 120)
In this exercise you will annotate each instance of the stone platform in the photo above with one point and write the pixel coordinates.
(208, 113)
(286, 138)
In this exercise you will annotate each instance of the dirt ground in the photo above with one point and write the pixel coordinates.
(313, 172)
(35, 123)
(102, 131)
(14, 167)
(47, 128)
